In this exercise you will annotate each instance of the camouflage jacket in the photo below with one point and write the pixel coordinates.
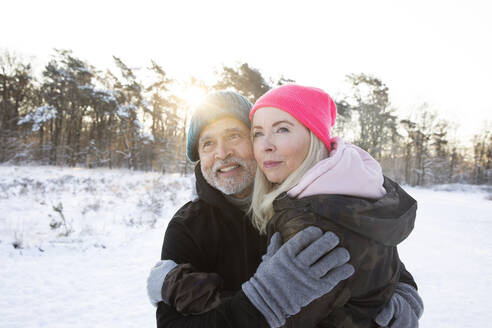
(370, 230)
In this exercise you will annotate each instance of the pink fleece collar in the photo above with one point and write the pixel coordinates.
(349, 171)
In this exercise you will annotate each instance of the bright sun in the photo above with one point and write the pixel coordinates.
(193, 95)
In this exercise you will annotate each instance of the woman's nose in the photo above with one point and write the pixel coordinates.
(268, 145)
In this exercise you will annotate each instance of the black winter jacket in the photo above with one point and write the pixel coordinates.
(213, 235)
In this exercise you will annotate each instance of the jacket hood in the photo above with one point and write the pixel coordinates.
(387, 220)
(349, 171)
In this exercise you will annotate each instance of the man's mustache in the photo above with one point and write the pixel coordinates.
(231, 161)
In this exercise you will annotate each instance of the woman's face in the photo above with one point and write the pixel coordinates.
(280, 143)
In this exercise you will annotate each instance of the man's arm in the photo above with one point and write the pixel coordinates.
(237, 311)
(184, 288)
(298, 255)
(405, 306)
(181, 246)
(190, 291)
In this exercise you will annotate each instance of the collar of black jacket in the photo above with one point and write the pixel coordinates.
(214, 197)
(388, 220)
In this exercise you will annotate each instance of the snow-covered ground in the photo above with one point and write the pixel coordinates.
(90, 270)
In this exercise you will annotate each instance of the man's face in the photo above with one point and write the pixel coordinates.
(226, 157)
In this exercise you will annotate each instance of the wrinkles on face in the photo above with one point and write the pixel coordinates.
(226, 157)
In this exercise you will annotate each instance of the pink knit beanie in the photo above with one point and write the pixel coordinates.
(313, 107)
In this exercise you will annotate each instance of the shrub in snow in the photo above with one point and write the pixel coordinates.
(55, 225)
(18, 240)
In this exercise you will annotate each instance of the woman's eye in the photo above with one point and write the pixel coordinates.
(282, 130)
(257, 134)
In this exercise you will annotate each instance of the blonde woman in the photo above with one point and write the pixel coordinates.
(304, 178)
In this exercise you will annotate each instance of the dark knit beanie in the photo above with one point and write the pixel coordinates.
(215, 106)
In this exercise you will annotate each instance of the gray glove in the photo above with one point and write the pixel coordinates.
(290, 276)
(156, 279)
(403, 310)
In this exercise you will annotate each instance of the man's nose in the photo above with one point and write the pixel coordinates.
(223, 151)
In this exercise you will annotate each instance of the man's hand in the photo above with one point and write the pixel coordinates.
(156, 279)
(403, 310)
(291, 276)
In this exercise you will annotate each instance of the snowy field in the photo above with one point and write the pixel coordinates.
(76, 246)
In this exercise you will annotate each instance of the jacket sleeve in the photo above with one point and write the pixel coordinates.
(190, 291)
(180, 246)
(187, 289)
(235, 311)
(406, 277)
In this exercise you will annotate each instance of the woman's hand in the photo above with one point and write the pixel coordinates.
(291, 276)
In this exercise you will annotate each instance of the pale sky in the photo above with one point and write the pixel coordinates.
(438, 52)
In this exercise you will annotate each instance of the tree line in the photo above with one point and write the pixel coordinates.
(77, 115)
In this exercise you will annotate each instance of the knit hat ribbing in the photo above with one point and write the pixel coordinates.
(313, 107)
(216, 105)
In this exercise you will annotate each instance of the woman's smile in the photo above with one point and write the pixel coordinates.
(271, 164)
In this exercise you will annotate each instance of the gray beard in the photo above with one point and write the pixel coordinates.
(233, 185)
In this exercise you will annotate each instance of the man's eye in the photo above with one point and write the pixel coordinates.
(207, 144)
(235, 136)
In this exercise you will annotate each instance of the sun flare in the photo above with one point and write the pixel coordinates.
(193, 95)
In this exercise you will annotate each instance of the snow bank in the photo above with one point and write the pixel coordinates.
(84, 208)
(449, 254)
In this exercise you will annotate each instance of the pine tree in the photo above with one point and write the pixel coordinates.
(376, 121)
(130, 99)
(64, 90)
(246, 80)
(16, 88)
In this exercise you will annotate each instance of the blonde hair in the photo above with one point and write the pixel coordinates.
(265, 192)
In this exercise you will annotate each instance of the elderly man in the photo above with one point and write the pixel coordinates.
(211, 249)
